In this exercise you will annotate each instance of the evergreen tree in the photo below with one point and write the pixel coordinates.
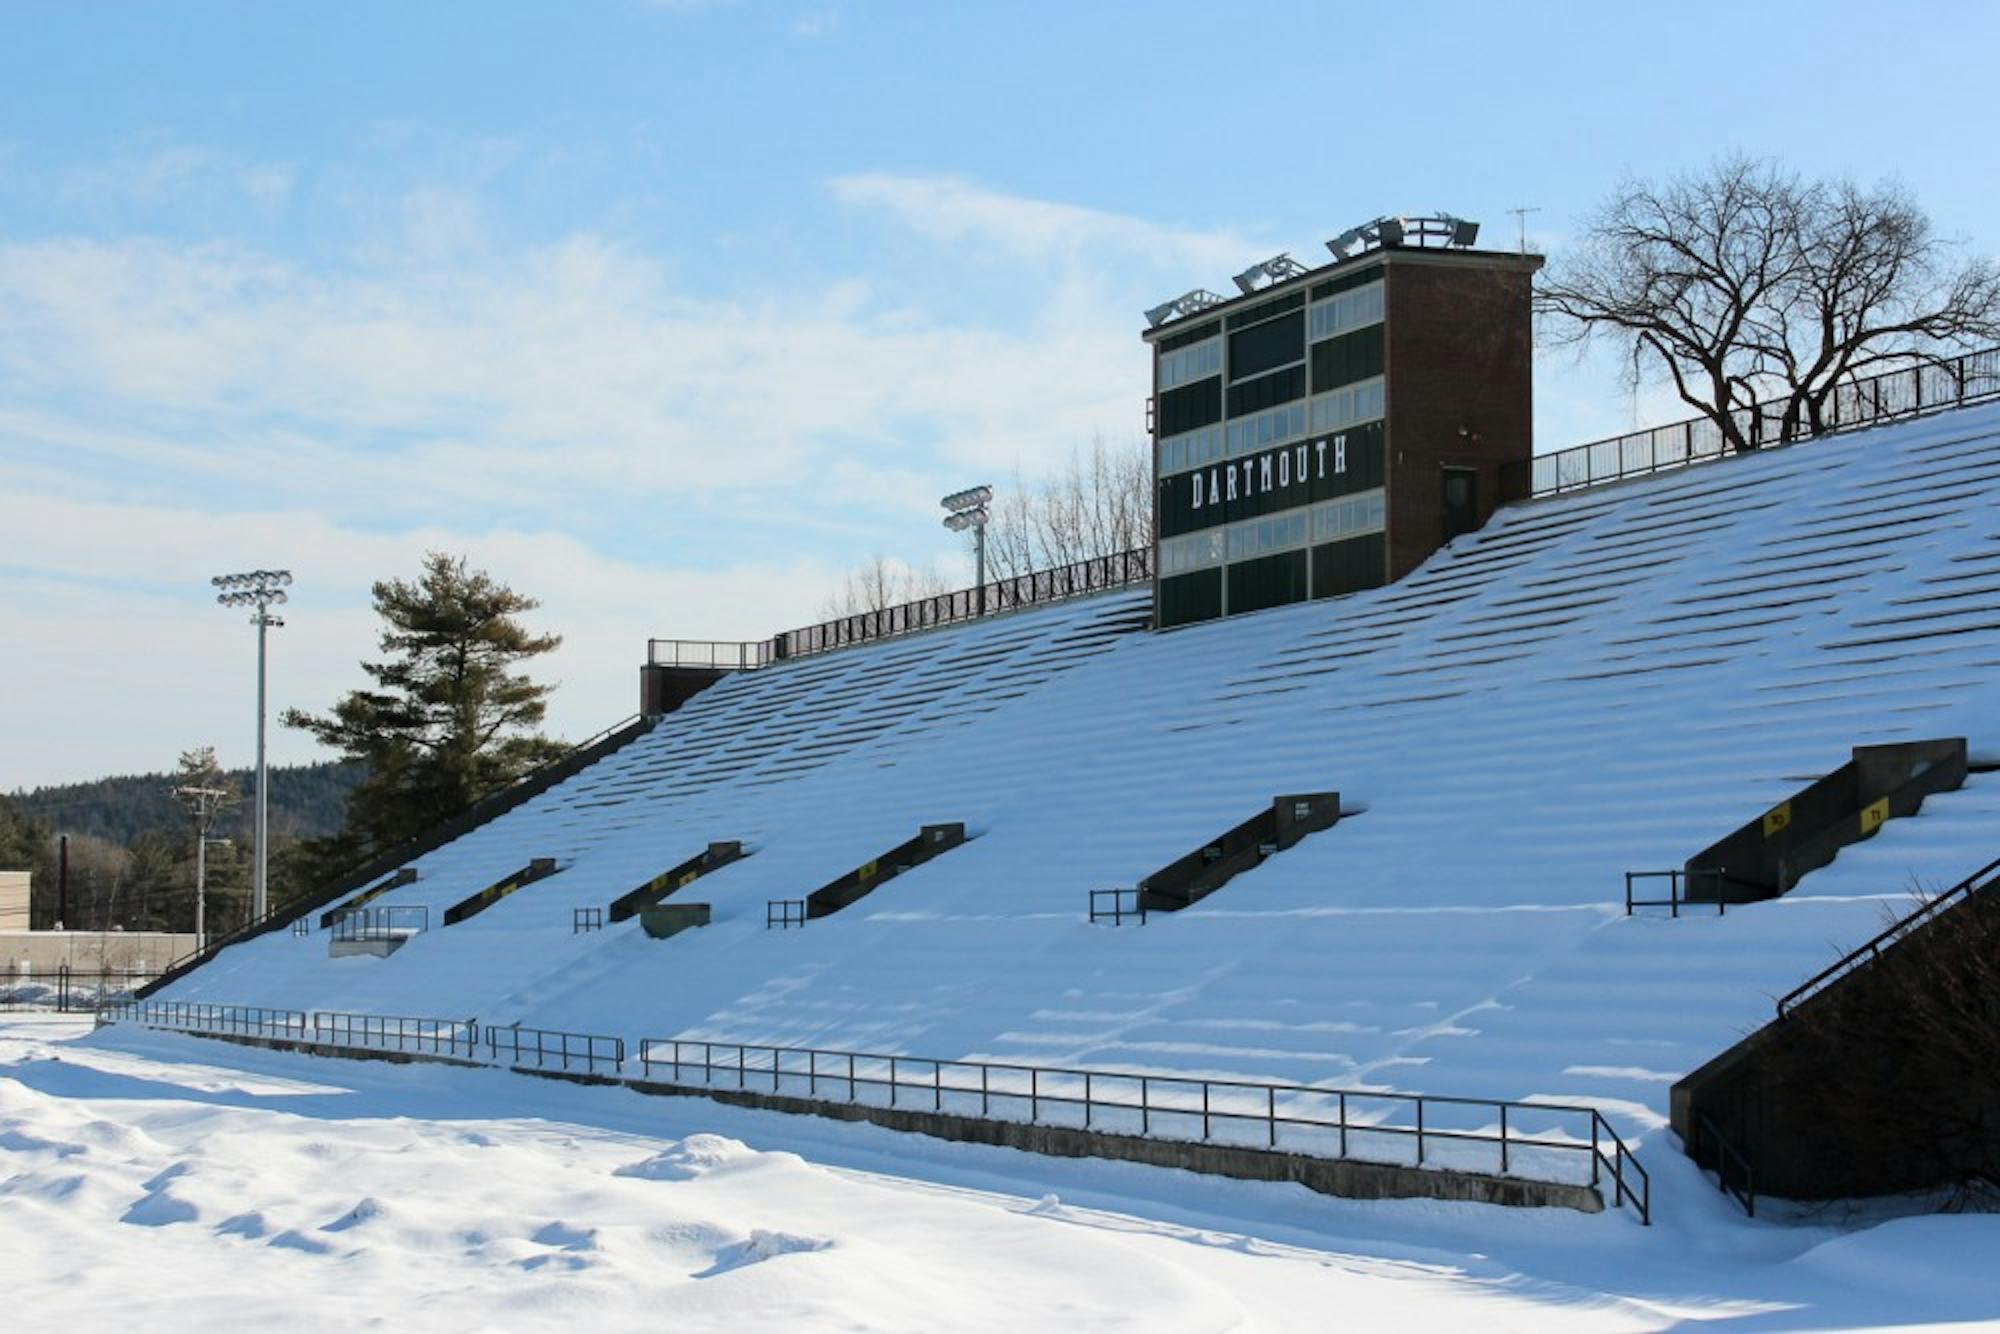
(450, 719)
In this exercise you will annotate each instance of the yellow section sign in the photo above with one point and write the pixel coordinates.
(1777, 818)
(1873, 816)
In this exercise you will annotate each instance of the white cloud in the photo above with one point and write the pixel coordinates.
(953, 209)
(645, 459)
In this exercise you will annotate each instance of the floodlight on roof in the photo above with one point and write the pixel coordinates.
(1275, 269)
(1187, 303)
(1428, 232)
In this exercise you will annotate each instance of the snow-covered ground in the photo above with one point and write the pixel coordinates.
(153, 1181)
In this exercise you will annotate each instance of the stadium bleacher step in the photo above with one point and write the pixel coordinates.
(406, 876)
(712, 858)
(541, 868)
(1770, 854)
(661, 921)
(931, 841)
(1188, 880)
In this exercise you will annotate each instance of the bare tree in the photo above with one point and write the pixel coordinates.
(1873, 288)
(880, 585)
(1743, 281)
(1099, 504)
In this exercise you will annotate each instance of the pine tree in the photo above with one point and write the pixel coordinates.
(449, 721)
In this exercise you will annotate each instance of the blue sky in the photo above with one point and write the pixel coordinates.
(670, 313)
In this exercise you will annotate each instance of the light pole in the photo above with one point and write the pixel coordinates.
(262, 589)
(968, 510)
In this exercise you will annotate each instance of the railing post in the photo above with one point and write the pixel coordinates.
(1145, 1109)
(1086, 1100)
(1596, 1155)
(1420, 1132)
(1503, 1139)
(892, 1081)
(937, 1086)
(1343, 1125)
(1204, 1109)
(850, 1078)
(1034, 1095)
(812, 1072)
(983, 1069)
(1271, 1113)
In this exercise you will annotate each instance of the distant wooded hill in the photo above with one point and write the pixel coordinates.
(306, 802)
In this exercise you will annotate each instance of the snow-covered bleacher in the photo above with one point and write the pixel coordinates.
(1596, 682)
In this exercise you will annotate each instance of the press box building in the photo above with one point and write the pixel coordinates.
(1329, 428)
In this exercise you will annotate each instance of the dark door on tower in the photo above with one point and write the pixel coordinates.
(1461, 501)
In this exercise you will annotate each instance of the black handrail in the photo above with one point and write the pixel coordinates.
(1727, 1156)
(1957, 382)
(1678, 883)
(1123, 903)
(1984, 878)
(542, 1047)
(209, 1017)
(396, 1032)
(394, 922)
(1159, 1103)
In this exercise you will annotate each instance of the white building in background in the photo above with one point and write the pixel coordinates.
(13, 900)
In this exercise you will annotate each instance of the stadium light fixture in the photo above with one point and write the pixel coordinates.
(1273, 270)
(1432, 231)
(263, 590)
(1187, 303)
(969, 510)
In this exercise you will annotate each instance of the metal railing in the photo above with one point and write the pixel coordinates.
(784, 913)
(1712, 1149)
(1538, 1141)
(394, 1032)
(1096, 575)
(545, 1047)
(1535, 1140)
(68, 990)
(200, 1017)
(1115, 905)
(720, 655)
(585, 919)
(1678, 883)
(1956, 382)
(1986, 877)
(397, 922)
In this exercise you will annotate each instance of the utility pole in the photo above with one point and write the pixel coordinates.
(62, 881)
(262, 589)
(1521, 216)
(203, 802)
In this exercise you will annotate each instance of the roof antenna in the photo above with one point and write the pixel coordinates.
(1521, 215)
